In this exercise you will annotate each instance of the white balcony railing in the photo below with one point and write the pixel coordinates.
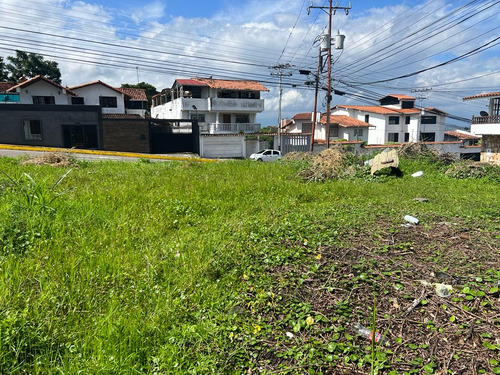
(226, 128)
(486, 119)
(241, 105)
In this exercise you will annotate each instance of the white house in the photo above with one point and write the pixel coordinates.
(112, 100)
(37, 90)
(397, 120)
(221, 106)
(341, 127)
(488, 127)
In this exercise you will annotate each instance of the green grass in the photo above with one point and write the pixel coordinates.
(163, 268)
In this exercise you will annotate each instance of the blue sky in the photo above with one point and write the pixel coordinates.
(161, 40)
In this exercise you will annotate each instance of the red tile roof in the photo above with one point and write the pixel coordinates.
(400, 97)
(461, 136)
(303, 116)
(232, 84)
(381, 110)
(95, 83)
(435, 110)
(190, 82)
(37, 79)
(480, 96)
(134, 93)
(4, 86)
(345, 121)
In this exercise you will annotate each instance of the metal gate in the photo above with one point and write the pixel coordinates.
(295, 142)
(172, 136)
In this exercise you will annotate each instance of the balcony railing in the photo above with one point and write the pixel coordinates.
(227, 128)
(486, 119)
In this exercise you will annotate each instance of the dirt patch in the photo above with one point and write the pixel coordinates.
(52, 158)
(397, 270)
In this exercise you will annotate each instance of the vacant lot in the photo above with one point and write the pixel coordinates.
(240, 267)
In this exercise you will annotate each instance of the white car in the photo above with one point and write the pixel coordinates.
(266, 155)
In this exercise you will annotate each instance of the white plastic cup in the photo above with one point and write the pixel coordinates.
(412, 219)
(418, 174)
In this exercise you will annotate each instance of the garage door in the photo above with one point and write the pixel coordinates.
(223, 147)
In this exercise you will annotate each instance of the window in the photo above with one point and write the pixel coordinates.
(200, 117)
(428, 120)
(367, 119)
(407, 104)
(428, 137)
(393, 120)
(407, 120)
(407, 137)
(334, 131)
(77, 100)
(44, 100)
(242, 119)
(358, 132)
(108, 101)
(32, 130)
(393, 137)
(307, 128)
(496, 107)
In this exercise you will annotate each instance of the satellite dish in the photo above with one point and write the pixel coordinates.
(483, 113)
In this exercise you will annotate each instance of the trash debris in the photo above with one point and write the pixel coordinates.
(387, 158)
(290, 335)
(418, 174)
(415, 303)
(443, 290)
(367, 333)
(412, 219)
(418, 199)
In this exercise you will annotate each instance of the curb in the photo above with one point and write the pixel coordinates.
(101, 152)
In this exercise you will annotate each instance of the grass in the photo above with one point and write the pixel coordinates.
(185, 267)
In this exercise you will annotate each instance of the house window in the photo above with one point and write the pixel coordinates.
(358, 132)
(44, 100)
(307, 128)
(407, 104)
(496, 107)
(407, 137)
(32, 130)
(428, 120)
(242, 119)
(393, 120)
(334, 131)
(77, 100)
(367, 119)
(200, 117)
(108, 101)
(428, 137)
(392, 137)
(407, 120)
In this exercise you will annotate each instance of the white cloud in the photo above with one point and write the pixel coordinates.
(148, 12)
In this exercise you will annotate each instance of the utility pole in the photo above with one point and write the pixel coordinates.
(280, 71)
(331, 11)
(421, 98)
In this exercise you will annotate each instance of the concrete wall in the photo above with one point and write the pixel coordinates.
(490, 150)
(130, 135)
(51, 117)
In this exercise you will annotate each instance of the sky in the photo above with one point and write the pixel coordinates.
(438, 51)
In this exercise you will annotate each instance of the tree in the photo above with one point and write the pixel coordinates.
(30, 65)
(150, 89)
(3, 72)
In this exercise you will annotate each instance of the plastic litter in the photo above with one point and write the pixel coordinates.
(367, 333)
(412, 219)
(418, 174)
(443, 290)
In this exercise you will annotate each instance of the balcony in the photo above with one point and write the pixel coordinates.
(237, 105)
(226, 128)
(486, 125)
